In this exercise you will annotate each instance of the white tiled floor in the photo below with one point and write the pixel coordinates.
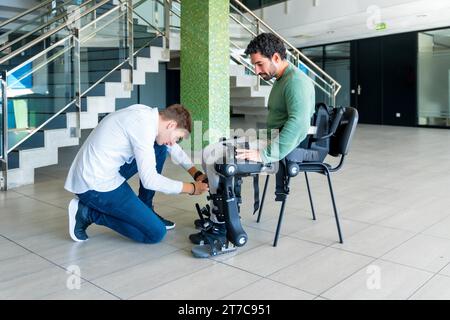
(392, 194)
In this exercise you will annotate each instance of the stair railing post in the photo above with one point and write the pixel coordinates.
(167, 7)
(258, 83)
(4, 151)
(77, 77)
(130, 38)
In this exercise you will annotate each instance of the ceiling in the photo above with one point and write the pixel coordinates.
(312, 22)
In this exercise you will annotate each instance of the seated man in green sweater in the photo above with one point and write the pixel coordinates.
(291, 100)
(291, 106)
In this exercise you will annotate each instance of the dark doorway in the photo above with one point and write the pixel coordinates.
(366, 80)
(383, 77)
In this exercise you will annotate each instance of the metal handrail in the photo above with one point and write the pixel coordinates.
(149, 23)
(100, 18)
(48, 34)
(66, 38)
(39, 66)
(318, 85)
(287, 51)
(20, 15)
(24, 36)
(32, 132)
(300, 54)
(6, 34)
(40, 27)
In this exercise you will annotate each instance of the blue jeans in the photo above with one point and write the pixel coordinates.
(123, 211)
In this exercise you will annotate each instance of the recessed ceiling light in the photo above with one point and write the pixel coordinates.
(422, 15)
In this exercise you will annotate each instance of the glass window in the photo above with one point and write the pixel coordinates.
(434, 78)
(334, 59)
(337, 65)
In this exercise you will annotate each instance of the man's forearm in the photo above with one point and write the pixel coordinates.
(192, 171)
(187, 188)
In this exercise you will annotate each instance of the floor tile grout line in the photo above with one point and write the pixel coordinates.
(86, 279)
(426, 282)
(326, 247)
(409, 230)
(42, 201)
(135, 265)
(406, 265)
(234, 291)
(167, 282)
(334, 243)
(380, 257)
(59, 266)
(431, 226)
(298, 260)
(263, 277)
(214, 262)
(375, 259)
(348, 277)
(399, 245)
(293, 287)
(330, 218)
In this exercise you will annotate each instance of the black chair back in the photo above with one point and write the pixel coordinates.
(341, 141)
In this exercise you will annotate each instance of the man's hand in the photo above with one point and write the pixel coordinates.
(201, 177)
(200, 187)
(248, 154)
(194, 188)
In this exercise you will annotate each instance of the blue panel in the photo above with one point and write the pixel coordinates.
(26, 82)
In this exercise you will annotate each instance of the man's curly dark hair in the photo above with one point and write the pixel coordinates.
(267, 44)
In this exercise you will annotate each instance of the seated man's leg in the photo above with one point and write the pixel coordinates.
(120, 210)
(212, 154)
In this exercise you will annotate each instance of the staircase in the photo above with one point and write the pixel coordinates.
(246, 97)
(103, 87)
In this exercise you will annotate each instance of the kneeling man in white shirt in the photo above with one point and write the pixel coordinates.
(129, 141)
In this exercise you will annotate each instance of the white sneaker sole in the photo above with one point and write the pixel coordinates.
(170, 227)
(73, 208)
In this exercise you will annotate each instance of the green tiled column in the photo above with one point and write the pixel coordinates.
(205, 57)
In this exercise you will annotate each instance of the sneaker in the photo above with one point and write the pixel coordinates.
(218, 231)
(169, 224)
(77, 222)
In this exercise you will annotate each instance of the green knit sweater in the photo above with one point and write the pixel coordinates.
(291, 106)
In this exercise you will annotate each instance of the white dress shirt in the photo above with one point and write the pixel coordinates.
(119, 138)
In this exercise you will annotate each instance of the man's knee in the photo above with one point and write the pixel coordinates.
(156, 234)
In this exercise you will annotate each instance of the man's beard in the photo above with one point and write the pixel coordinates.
(266, 76)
